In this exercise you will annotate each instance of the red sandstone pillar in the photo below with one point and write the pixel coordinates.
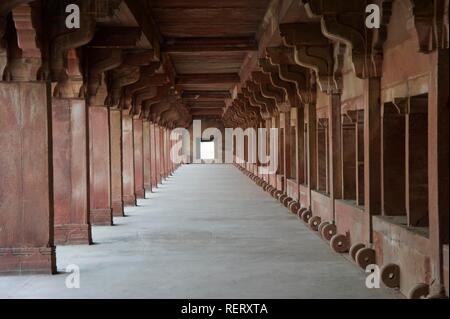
(138, 158)
(115, 122)
(287, 143)
(70, 169)
(169, 147)
(100, 167)
(26, 207)
(372, 151)
(26, 201)
(349, 158)
(166, 153)
(129, 195)
(335, 148)
(158, 153)
(438, 174)
(147, 156)
(153, 151)
(162, 154)
(311, 118)
(300, 142)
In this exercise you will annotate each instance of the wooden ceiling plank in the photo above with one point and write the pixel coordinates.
(231, 44)
(208, 78)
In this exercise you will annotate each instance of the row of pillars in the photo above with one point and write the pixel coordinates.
(380, 159)
(65, 167)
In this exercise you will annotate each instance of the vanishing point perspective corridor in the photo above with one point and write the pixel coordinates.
(196, 238)
(274, 149)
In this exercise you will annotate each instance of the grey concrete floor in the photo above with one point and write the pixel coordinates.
(207, 232)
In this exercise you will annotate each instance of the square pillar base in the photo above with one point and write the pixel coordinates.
(140, 193)
(73, 234)
(129, 200)
(39, 260)
(117, 209)
(101, 217)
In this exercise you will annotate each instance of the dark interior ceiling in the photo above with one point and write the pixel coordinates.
(207, 42)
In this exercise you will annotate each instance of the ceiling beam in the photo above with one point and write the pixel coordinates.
(200, 112)
(205, 104)
(116, 37)
(206, 95)
(208, 78)
(142, 13)
(235, 44)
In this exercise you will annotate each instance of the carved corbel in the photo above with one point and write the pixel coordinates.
(161, 107)
(147, 78)
(66, 40)
(312, 50)
(270, 91)
(117, 79)
(161, 94)
(345, 22)
(23, 58)
(140, 96)
(269, 103)
(246, 104)
(273, 72)
(295, 74)
(431, 22)
(100, 61)
(253, 102)
(241, 112)
(5, 8)
(339, 56)
(170, 116)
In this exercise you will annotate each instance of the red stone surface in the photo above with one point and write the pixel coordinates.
(351, 221)
(115, 121)
(26, 219)
(153, 151)
(129, 195)
(147, 156)
(158, 154)
(138, 158)
(100, 167)
(396, 244)
(321, 206)
(70, 171)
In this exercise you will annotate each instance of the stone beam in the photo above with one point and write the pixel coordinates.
(210, 45)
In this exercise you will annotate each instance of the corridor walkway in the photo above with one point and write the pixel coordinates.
(195, 237)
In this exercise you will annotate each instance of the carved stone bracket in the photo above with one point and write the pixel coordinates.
(117, 79)
(312, 50)
(161, 94)
(100, 61)
(65, 40)
(24, 57)
(345, 22)
(267, 104)
(281, 57)
(431, 21)
(277, 81)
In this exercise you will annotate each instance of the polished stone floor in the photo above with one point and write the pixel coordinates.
(207, 232)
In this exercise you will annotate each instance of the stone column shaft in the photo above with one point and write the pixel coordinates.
(128, 180)
(100, 166)
(71, 171)
(26, 200)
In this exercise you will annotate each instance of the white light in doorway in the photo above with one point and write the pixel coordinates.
(207, 151)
